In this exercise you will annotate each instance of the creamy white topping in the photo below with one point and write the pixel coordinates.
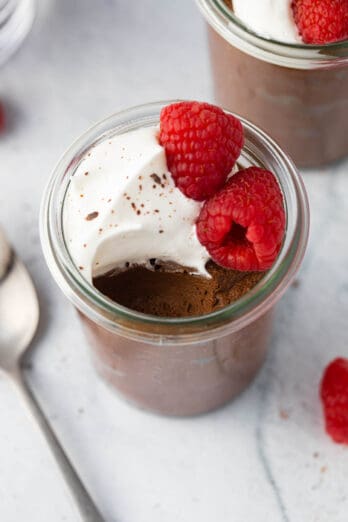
(122, 207)
(269, 18)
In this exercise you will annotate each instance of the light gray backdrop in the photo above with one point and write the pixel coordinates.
(265, 457)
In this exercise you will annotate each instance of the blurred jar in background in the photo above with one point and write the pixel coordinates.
(297, 93)
(16, 17)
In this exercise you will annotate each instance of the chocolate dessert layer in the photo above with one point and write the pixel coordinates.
(176, 294)
(305, 110)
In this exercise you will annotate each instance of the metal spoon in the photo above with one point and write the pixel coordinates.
(19, 317)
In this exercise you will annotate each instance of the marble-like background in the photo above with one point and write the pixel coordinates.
(264, 457)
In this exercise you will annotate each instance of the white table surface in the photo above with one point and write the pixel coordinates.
(264, 457)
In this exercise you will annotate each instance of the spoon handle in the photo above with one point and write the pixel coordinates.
(80, 496)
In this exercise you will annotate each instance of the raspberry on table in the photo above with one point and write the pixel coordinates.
(321, 21)
(334, 396)
(202, 144)
(242, 226)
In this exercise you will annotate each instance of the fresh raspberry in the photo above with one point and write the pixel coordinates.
(321, 21)
(202, 144)
(243, 225)
(334, 396)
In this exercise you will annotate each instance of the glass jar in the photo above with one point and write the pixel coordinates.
(176, 366)
(16, 17)
(297, 93)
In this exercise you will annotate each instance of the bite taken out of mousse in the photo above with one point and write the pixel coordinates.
(161, 219)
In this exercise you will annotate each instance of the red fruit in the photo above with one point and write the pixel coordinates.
(243, 225)
(334, 396)
(202, 144)
(321, 21)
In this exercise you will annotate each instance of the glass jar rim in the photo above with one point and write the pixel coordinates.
(292, 55)
(111, 315)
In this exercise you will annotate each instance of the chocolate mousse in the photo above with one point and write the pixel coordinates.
(237, 228)
(167, 293)
(298, 95)
(163, 219)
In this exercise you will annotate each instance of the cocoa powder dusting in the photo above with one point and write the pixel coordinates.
(92, 215)
(156, 178)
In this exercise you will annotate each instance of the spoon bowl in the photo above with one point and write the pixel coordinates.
(19, 314)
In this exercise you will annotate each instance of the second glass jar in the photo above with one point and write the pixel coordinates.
(296, 93)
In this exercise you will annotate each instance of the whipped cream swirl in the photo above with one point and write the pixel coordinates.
(271, 19)
(122, 208)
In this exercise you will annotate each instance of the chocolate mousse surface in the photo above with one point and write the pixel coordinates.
(168, 293)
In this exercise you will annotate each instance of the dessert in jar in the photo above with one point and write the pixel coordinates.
(283, 64)
(174, 230)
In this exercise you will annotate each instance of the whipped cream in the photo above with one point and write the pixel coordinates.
(269, 18)
(122, 208)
